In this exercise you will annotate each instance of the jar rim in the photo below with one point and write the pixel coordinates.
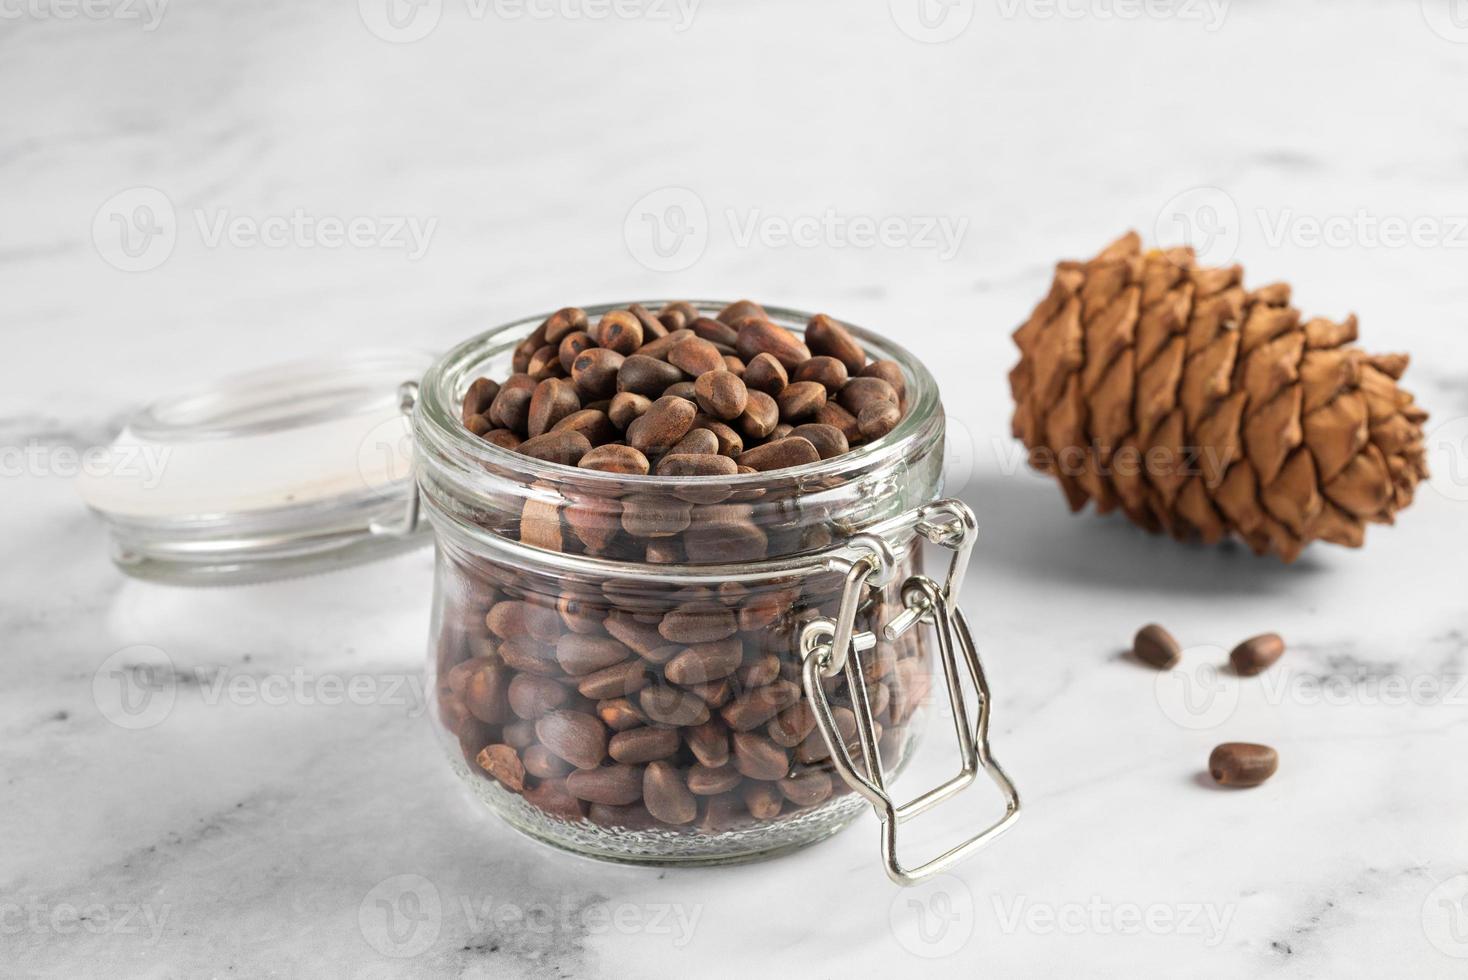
(437, 413)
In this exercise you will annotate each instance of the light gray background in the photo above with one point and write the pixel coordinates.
(241, 838)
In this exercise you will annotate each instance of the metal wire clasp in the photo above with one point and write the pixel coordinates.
(827, 646)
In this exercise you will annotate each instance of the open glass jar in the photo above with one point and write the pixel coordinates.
(648, 669)
(674, 670)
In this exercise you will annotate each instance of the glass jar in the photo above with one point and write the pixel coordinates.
(619, 662)
(645, 669)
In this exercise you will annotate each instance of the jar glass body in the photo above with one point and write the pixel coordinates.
(616, 661)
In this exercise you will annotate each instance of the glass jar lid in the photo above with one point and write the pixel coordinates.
(288, 470)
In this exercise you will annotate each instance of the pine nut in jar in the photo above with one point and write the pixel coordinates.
(680, 615)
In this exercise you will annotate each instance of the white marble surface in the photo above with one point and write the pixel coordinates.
(242, 838)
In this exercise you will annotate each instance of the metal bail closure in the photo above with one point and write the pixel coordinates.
(827, 647)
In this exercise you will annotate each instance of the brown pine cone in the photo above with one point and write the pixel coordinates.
(1200, 408)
